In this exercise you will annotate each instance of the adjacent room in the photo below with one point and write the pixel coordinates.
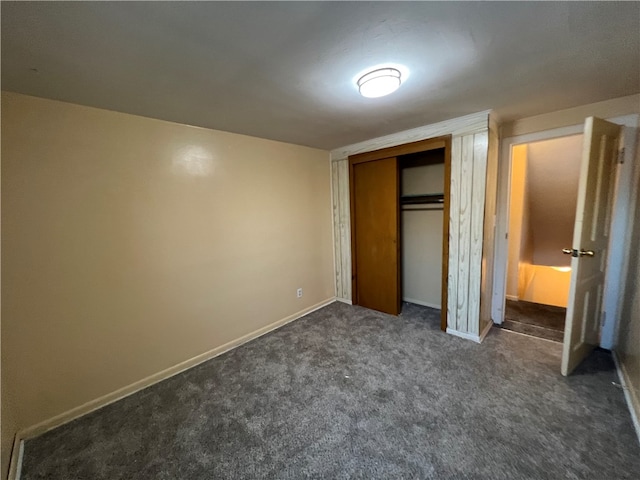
(542, 206)
(284, 240)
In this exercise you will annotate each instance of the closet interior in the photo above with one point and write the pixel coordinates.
(422, 202)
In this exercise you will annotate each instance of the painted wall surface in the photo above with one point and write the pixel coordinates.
(519, 232)
(131, 245)
(422, 237)
(628, 345)
(553, 169)
(614, 107)
(423, 179)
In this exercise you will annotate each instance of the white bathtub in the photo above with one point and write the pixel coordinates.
(544, 284)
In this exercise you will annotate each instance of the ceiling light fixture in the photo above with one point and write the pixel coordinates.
(380, 82)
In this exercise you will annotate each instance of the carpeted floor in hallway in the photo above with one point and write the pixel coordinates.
(347, 392)
(538, 320)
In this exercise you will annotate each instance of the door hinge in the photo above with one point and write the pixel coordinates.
(603, 319)
(621, 155)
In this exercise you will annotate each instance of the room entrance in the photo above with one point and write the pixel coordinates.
(529, 233)
(542, 204)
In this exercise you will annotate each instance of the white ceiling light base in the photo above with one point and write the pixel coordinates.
(380, 82)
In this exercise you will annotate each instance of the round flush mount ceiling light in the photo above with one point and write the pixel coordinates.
(379, 82)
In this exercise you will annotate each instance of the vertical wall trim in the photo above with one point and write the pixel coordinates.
(342, 228)
(334, 226)
(480, 143)
(454, 234)
(464, 216)
(469, 155)
(345, 229)
(335, 211)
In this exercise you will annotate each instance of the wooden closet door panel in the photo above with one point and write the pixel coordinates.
(376, 231)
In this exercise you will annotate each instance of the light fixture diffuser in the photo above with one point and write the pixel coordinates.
(380, 82)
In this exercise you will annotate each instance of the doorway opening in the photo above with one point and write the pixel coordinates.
(543, 193)
(600, 223)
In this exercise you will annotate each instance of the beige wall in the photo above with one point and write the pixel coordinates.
(520, 250)
(628, 346)
(572, 116)
(422, 237)
(131, 244)
(553, 170)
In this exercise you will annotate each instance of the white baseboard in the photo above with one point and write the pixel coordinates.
(420, 302)
(344, 300)
(467, 336)
(15, 465)
(74, 413)
(632, 402)
(512, 297)
(486, 331)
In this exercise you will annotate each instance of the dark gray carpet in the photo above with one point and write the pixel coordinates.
(350, 393)
(543, 321)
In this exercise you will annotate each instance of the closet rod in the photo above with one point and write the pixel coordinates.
(424, 199)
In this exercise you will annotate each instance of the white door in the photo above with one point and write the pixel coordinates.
(590, 241)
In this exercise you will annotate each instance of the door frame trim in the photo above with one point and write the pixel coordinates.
(398, 150)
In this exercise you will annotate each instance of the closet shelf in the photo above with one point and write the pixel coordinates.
(422, 199)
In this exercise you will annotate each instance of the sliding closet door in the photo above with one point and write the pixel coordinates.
(375, 214)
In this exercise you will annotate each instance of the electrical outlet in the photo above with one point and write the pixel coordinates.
(299, 293)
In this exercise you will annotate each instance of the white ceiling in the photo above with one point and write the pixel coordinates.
(285, 71)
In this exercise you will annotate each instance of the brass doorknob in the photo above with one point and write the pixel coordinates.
(578, 253)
